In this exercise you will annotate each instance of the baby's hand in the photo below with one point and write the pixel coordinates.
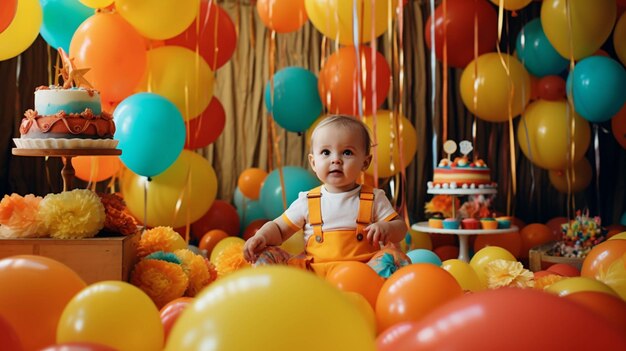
(252, 247)
(377, 232)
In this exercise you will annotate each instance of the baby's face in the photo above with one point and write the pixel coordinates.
(338, 157)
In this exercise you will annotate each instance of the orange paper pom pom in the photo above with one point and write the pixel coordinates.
(230, 259)
(198, 269)
(163, 281)
(159, 239)
(20, 218)
(543, 282)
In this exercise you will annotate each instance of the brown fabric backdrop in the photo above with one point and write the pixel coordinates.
(244, 142)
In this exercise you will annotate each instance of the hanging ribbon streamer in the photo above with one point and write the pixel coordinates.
(373, 57)
(355, 41)
(506, 63)
(596, 149)
(570, 116)
(433, 85)
(444, 134)
(145, 203)
(184, 194)
(475, 96)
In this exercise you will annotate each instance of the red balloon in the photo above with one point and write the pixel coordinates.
(610, 307)
(414, 291)
(207, 127)
(171, 311)
(439, 240)
(555, 227)
(10, 339)
(512, 242)
(614, 229)
(216, 41)
(253, 227)
(78, 346)
(618, 126)
(7, 13)
(551, 88)
(447, 252)
(459, 29)
(564, 269)
(338, 81)
(512, 319)
(388, 339)
(221, 215)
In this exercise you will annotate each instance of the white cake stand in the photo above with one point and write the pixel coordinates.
(462, 234)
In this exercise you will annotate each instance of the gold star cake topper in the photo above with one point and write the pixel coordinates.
(72, 76)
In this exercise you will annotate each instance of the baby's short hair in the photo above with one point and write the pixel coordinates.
(349, 122)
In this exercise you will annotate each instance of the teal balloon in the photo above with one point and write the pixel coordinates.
(239, 199)
(622, 219)
(597, 86)
(536, 52)
(61, 18)
(250, 211)
(424, 256)
(295, 101)
(296, 179)
(151, 133)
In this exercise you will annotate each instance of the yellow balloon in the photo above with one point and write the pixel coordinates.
(481, 259)
(334, 18)
(620, 236)
(22, 31)
(545, 126)
(619, 38)
(575, 284)
(512, 5)
(243, 310)
(163, 19)
(295, 244)
(486, 87)
(223, 244)
(579, 177)
(464, 274)
(190, 179)
(181, 76)
(388, 149)
(364, 307)
(416, 240)
(591, 24)
(112, 313)
(615, 276)
(97, 4)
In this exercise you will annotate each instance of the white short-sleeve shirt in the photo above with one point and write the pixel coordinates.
(339, 210)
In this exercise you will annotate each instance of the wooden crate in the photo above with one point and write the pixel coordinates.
(538, 258)
(94, 259)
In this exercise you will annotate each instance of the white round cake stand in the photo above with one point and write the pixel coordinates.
(462, 234)
(461, 191)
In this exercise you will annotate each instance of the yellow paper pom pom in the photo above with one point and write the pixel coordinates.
(19, 217)
(198, 269)
(72, 214)
(159, 239)
(503, 273)
(230, 259)
(161, 280)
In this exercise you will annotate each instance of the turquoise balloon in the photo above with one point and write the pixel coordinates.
(622, 219)
(250, 211)
(151, 133)
(424, 256)
(536, 53)
(597, 86)
(239, 199)
(296, 179)
(295, 102)
(61, 18)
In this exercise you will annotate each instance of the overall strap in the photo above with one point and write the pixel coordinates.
(366, 202)
(315, 211)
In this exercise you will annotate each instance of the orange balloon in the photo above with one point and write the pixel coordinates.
(170, 312)
(338, 81)
(8, 9)
(210, 239)
(600, 258)
(512, 242)
(283, 16)
(113, 51)
(96, 168)
(611, 308)
(579, 177)
(250, 182)
(564, 270)
(618, 126)
(35, 290)
(412, 292)
(356, 277)
(533, 235)
(253, 227)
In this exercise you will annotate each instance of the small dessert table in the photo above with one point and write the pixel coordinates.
(66, 154)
